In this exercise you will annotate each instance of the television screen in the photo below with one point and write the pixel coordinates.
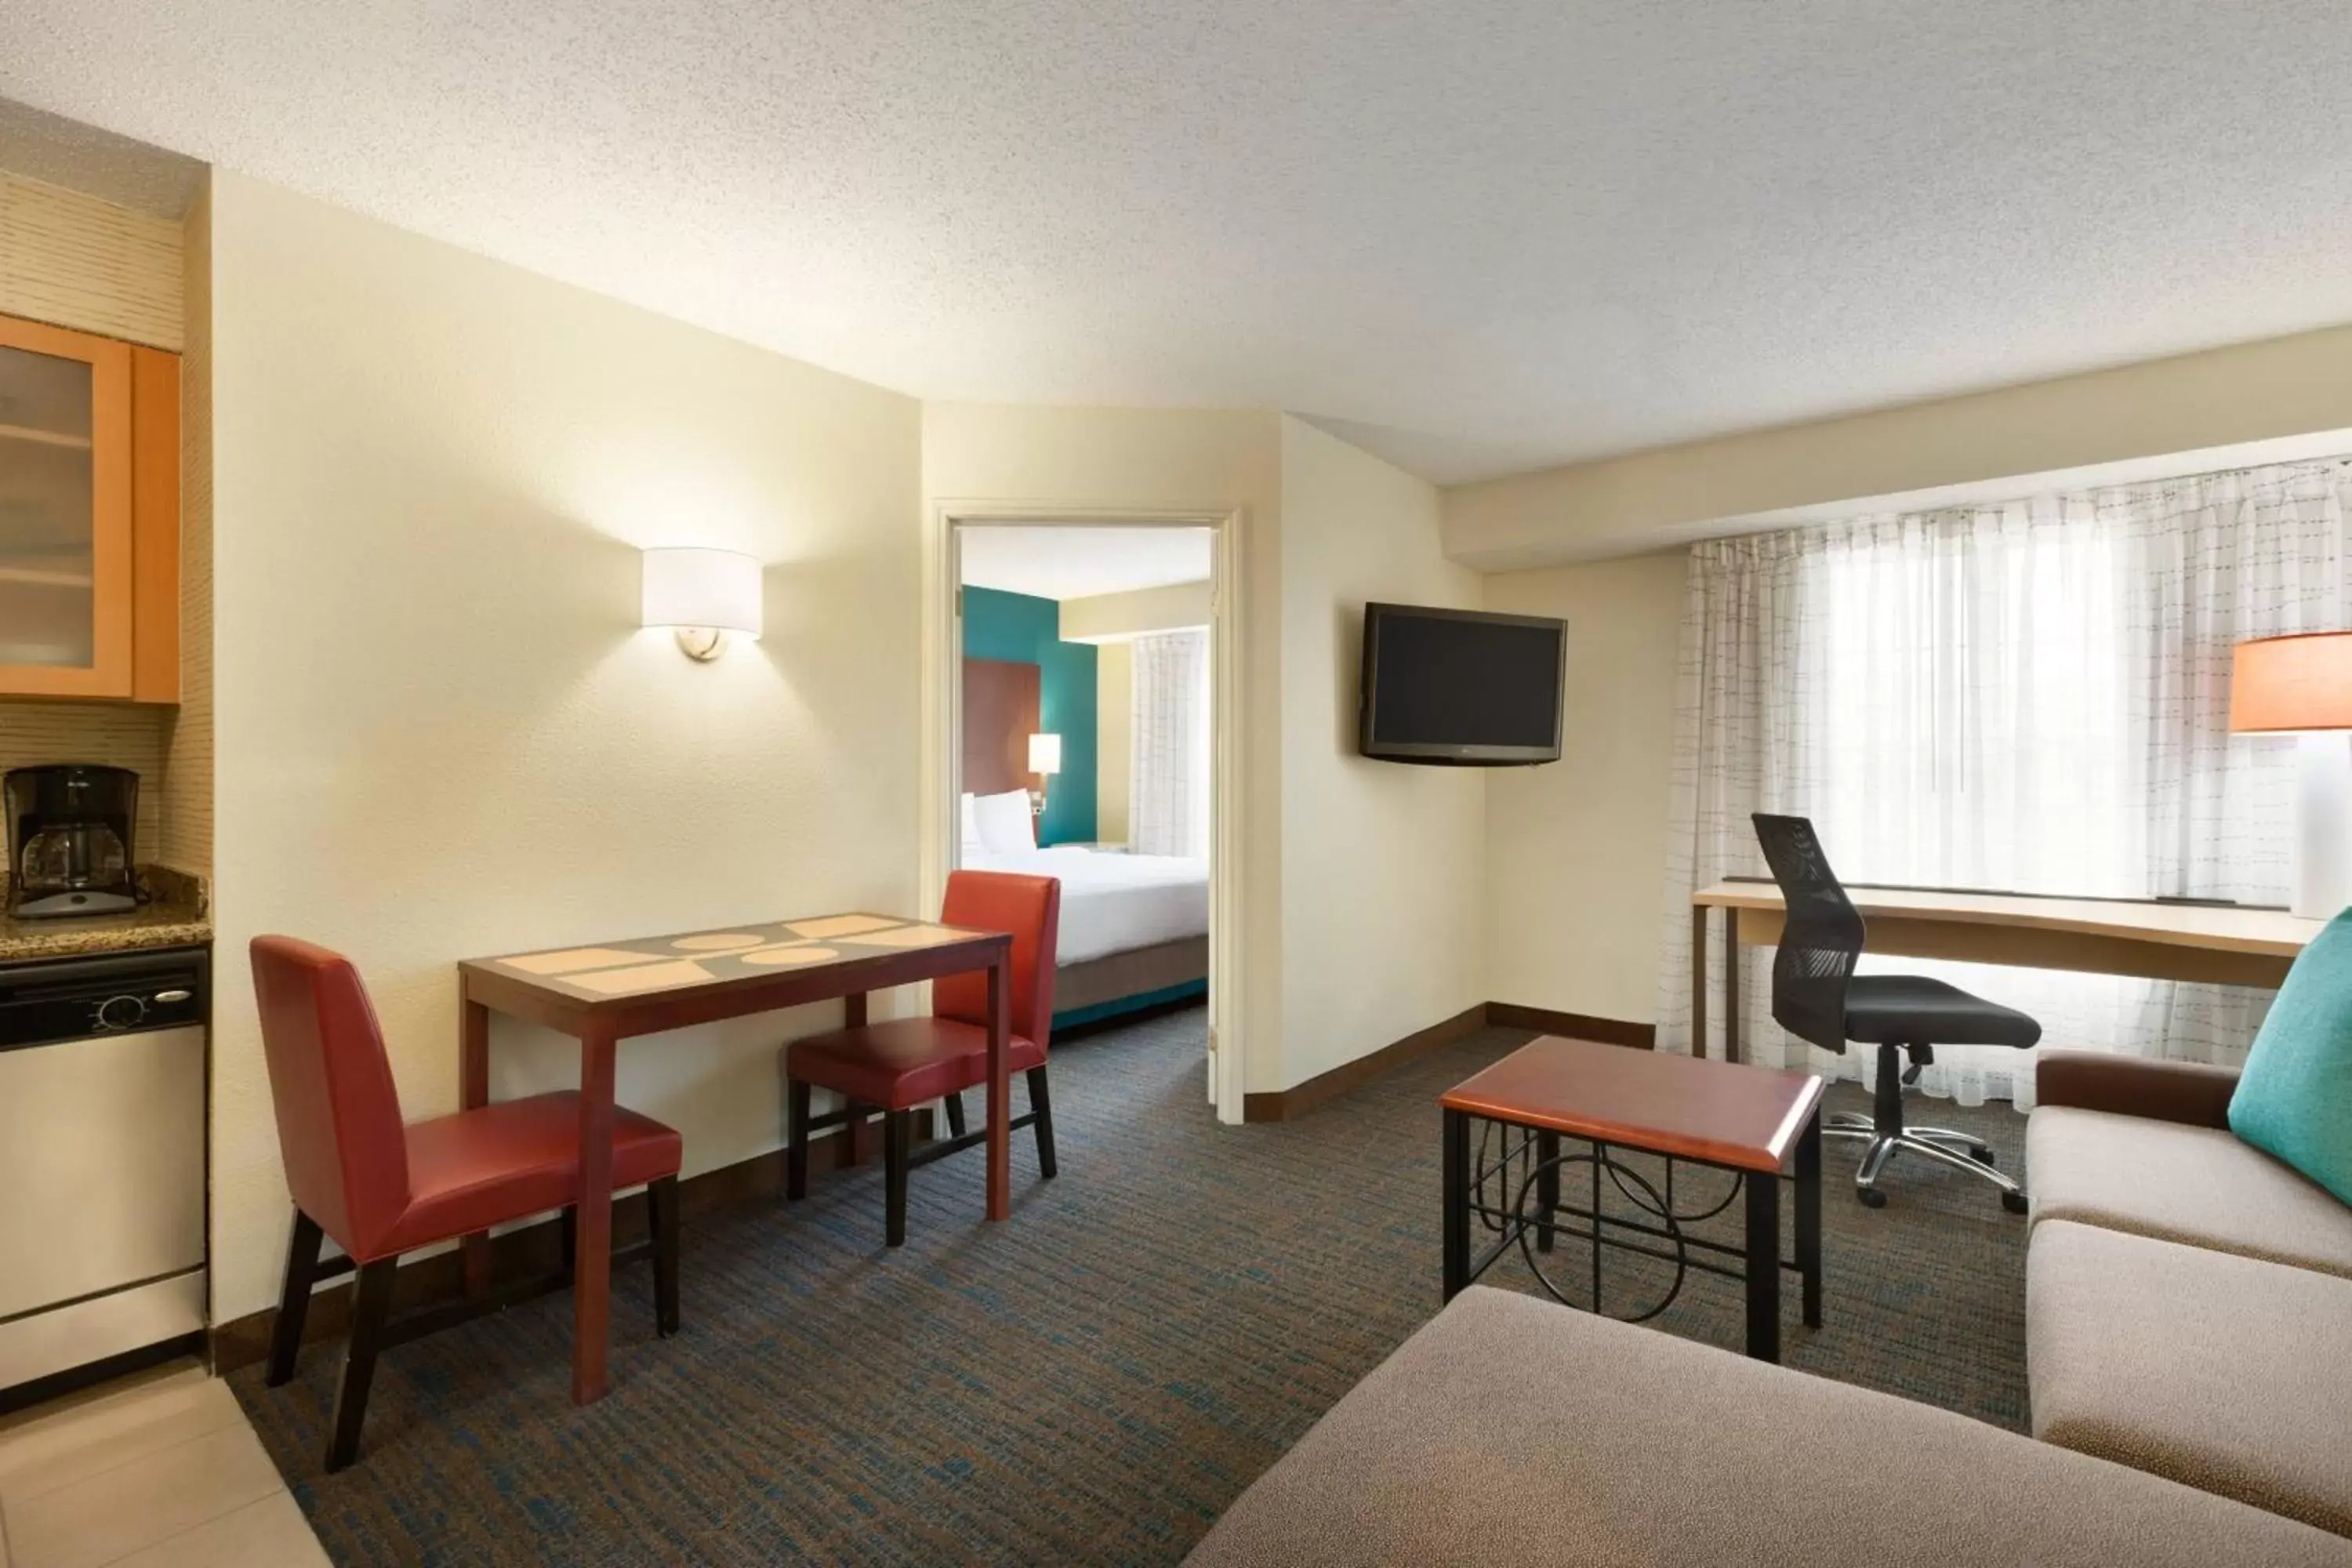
(1457, 687)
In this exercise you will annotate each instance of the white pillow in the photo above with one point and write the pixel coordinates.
(971, 844)
(1005, 826)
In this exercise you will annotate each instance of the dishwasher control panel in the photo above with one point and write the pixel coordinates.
(74, 998)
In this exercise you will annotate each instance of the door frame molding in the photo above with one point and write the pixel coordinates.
(942, 747)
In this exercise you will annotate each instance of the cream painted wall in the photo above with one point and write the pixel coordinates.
(1108, 617)
(2294, 390)
(1109, 460)
(440, 732)
(1576, 850)
(1114, 739)
(1385, 914)
(1349, 951)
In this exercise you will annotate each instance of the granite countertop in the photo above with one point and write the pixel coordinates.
(177, 918)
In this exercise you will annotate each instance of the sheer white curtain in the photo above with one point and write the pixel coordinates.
(1168, 800)
(2030, 697)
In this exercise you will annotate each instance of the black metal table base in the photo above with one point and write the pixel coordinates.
(1535, 1227)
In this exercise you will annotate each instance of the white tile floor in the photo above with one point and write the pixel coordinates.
(159, 1470)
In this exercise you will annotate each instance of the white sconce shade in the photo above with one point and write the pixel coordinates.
(704, 594)
(1044, 754)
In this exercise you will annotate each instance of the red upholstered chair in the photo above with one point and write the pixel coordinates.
(381, 1188)
(896, 1067)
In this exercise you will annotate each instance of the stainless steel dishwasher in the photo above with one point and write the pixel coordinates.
(102, 1191)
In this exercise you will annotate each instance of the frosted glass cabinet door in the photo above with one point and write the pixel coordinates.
(65, 512)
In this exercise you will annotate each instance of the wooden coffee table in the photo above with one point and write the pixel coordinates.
(1753, 1122)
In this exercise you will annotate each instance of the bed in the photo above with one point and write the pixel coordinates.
(1134, 928)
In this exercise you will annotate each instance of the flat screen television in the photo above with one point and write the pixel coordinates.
(1460, 687)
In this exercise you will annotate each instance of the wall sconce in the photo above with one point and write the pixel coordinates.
(704, 594)
(1045, 761)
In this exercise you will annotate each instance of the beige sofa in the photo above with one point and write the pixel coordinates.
(1514, 1431)
(2188, 1299)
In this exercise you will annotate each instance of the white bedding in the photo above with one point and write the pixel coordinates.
(1111, 903)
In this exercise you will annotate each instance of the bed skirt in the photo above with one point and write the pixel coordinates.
(1139, 977)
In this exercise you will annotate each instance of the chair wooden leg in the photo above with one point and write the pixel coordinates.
(898, 1128)
(955, 1115)
(294, 1301)
(1041, 1102)
(796, 1137)
(568, 1237)
(661, 1219)
(371, 1305)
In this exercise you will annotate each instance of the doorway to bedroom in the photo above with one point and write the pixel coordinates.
(1085, 708)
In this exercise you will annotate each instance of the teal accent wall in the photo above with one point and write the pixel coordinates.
(1026, 630)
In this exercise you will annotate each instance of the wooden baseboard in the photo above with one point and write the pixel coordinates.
(535, 1249)
(1575, 1025)
(1284, 1105)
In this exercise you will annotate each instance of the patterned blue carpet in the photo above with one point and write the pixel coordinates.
(1093, 1382)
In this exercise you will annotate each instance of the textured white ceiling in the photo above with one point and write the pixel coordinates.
(1477, 237)
(1074, 562)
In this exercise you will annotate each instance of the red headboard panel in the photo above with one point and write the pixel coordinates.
(1000, 714)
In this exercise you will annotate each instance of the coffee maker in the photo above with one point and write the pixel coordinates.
(70, 840)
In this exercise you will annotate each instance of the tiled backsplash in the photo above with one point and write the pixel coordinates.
(78, 261)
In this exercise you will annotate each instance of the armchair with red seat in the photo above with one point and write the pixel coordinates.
(899, 1065)
(380, 1188)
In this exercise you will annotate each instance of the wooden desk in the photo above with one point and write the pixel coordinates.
(605, 993)
(2217, 944)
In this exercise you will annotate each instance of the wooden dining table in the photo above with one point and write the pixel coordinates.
(607, 992)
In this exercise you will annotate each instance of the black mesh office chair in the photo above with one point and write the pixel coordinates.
(1817, 997)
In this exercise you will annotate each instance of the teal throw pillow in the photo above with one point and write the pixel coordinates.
(2296, 1097)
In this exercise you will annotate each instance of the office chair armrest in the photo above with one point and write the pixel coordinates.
(2134, 1086)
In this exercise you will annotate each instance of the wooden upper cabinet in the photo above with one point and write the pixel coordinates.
(90, 516)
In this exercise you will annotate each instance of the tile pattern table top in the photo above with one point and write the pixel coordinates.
(1748, 1117)
(647, 966)
(826, 926)
(789, 957)
(573, 959)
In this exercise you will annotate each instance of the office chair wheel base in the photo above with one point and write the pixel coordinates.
(1871, 1198)
(2013, 1201)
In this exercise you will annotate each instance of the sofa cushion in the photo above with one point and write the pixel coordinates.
(2202, 1185)
(2294, 1098)
(1514, 1431)
(2226, 1374)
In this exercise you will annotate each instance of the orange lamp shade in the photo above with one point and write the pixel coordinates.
(2286, 684)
